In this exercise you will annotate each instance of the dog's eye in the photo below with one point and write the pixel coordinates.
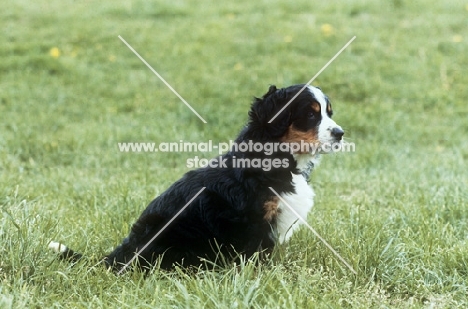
(310, 115)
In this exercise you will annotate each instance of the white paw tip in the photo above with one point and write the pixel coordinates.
(57, 247)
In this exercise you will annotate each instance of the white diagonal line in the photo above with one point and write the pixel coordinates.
(313, 78)
(160, 231)
(162, 79)
(315, 232)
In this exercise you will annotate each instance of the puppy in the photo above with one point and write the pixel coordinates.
(236, 212)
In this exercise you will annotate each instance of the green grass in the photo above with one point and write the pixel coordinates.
(396, 209)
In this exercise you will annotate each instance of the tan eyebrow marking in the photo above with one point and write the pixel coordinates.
(316, 107)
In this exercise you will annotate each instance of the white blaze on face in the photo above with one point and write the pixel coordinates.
(326, 124)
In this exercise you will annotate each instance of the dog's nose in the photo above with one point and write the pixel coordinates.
(337, 133)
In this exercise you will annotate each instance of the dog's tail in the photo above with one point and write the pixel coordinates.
(65, 253)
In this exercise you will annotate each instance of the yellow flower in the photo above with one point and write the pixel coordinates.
(112, 58)
(238, 66)
(457, 38)
(112, 110)
(466, 7)
(327, 29)
(288, 39)
(54, 52)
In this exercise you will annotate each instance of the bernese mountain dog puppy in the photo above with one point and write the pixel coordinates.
(236, 213)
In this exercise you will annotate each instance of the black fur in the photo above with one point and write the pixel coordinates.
(228, 216)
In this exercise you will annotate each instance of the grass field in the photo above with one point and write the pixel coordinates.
(70, 91)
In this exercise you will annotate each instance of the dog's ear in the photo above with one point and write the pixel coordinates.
(264, 109)
(271, 90)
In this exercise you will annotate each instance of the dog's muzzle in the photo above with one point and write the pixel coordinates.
(337, 133)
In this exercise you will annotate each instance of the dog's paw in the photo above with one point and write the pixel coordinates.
(57, 247)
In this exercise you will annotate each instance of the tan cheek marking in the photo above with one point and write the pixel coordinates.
(271, 209)
(329, 109)
(295, 136)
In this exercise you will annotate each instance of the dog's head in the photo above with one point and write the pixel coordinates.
(305, 119)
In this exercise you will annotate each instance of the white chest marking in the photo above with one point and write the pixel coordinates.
(301, 201)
